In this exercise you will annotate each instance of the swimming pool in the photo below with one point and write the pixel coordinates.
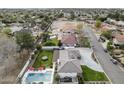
(38, 77)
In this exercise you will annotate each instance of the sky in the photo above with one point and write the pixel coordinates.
(61, 4)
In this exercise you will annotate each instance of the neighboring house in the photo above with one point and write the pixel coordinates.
(118, 39)
(66, 15)
(106, 26)
(120, 23)
(69, 40)
(109, 20)
(69, 70)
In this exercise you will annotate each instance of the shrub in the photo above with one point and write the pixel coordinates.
(121, 47)
(7, 30)
(39, 47)
(59, 43)
(109, 46)
(107, 34)
(32, 57)
(81, 80)
(57, 77)
(98, 23)
(35, 52)
(49, 44)
(51, 66)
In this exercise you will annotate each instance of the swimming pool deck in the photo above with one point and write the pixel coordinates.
(39, 71)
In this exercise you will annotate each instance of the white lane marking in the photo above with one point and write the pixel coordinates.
(122, 69)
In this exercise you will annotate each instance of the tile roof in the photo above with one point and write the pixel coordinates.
(69, 39)
(120, 38)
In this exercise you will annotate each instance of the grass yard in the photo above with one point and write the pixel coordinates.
(51, 42)
(39, 62)
(84, 42)
(91, 75)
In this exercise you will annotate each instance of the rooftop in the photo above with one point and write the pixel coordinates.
(71, 66)
(69, 39)
(120, 37)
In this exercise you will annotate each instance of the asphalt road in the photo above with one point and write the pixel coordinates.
(114, 72)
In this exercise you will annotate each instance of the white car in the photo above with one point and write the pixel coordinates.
(114, 61)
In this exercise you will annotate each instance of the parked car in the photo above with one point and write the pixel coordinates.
(105, 50)
(99, 40)
(102, 39)
(114, 61)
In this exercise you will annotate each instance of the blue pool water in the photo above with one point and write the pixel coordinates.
(39, 77)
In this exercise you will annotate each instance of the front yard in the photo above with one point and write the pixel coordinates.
(47, 63)
(91, 75)
(83, 41)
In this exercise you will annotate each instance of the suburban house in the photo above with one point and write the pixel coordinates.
(69, 40)
(118, 39)
(120, 23)
(69, 71)
(106, 26)
(69, 66)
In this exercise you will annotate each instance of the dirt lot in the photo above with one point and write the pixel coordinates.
(11, 61)
(60, 27)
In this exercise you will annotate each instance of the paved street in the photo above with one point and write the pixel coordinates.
(114, 72)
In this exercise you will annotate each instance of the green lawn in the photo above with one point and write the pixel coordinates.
(51, 42)
(91, 75)
(39, 62)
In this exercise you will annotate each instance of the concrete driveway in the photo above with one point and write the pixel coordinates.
(88, 60)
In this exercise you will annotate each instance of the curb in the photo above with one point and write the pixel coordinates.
(102, 68)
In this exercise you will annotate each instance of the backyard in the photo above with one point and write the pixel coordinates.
(47, 63)
(91, 75)
(51, 42)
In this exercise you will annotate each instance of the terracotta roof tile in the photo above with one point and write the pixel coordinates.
(120, 38)
(69, 39)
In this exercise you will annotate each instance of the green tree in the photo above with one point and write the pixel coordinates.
(102, 19)
(122, 46)
(59, 43)
(107, 34)
(47, 18)
(60, 15)
(25, 39)
(72, 15)
(7, 31)
(45, 36)
(13, 18)
(109, 46)
(98, 24)
(122, 17)
(39, 47)
(44, 24)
